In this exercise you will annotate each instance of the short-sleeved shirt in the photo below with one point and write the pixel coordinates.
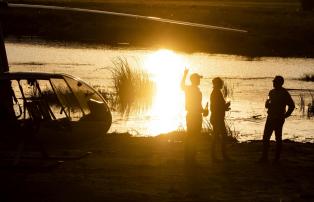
(193, 99)
(279, 99)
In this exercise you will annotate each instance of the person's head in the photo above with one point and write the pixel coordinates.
(217, 83)
(278, 81)
(195, 79)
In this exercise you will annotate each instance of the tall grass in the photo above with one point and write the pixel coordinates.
(227, 90)
(232, 134)
(302, 103)
(307, 77)
(133, 88)
(310, 105)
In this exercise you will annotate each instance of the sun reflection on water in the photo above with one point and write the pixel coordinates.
(166, 68)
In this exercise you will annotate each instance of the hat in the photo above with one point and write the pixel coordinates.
(195, 76)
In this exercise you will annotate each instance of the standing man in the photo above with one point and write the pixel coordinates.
(195, 111)
(218, 108)
(276, 103)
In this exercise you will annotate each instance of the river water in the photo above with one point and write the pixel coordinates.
(248, 79)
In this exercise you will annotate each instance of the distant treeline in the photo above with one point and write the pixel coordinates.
(307, 5)
(278, 29)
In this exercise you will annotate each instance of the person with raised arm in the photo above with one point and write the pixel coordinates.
(195, 112)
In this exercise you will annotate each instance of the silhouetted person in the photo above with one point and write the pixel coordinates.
(7, 115)
(276, 103)
(218, 107)
(193, 106)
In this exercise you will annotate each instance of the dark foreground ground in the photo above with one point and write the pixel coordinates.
(276, 27)
(122, 168)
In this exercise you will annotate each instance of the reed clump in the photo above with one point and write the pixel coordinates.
(232, 134)
(228, 89)
(206, 135)
(132, 86)
(308, 77)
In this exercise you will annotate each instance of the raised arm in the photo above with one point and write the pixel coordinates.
(186, 71)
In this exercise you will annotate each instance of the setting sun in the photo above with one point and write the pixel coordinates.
(166, 69)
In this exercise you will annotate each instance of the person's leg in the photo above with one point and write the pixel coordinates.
(187, 149)
(224, 135)
(215, 141)
(268, 130)
(187, 139)
(190, 138)
(197, 128)
(278, 135)
(192, 149)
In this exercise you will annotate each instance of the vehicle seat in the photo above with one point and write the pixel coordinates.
(37, 110)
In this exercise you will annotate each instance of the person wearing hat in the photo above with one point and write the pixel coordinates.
(195, 111)
(278, 99)
(218, 108)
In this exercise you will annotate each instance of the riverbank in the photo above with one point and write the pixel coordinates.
(276, 28)
(125, 168)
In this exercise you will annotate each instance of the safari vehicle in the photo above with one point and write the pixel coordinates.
(61, 102)
(49, 112)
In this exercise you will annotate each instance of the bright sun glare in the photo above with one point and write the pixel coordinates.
(166, 68)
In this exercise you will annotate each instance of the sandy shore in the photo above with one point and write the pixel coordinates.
(124, 168)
